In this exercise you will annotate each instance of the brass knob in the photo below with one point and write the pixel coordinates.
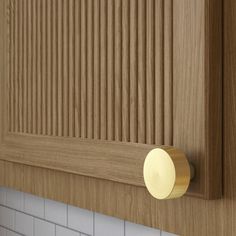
(167, 172)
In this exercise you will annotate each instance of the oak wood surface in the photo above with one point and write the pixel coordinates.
(165, 90)
(91, 69)
(185, 216)
(197, 93)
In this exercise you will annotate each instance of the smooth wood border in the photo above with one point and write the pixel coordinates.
(121, 162)
(197, 90)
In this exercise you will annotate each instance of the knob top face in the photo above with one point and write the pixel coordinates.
(166, 173)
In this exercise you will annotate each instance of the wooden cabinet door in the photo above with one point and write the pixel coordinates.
(88, 86)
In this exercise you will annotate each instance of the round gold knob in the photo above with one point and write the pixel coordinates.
(167, 173)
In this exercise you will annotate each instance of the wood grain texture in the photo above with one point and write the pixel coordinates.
(197, 93)
(146, 72)
(72, 70)
(121, 162)
(186, 216)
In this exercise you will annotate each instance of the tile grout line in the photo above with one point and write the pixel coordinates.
(39, 218)
(124, 228)
(33, 226)
(8, 229)
(93, 223)
(67, 216)
(14, 220)
(44, 211)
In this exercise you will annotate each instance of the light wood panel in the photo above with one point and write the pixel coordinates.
(121, 162)
(91, 69)
(197, 83)
(113, 71)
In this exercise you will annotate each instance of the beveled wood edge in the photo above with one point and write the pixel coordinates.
(81, 157)
(214, 98)
(210, 167)
(115, 161)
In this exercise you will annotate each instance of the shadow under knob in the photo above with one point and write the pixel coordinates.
(167, 173)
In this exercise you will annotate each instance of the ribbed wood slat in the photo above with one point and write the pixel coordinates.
(54, 19)
(96, 69)
(110, 70)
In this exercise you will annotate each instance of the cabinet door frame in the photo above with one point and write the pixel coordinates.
(194, 61)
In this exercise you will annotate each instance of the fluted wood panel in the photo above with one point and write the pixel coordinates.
(97, 69)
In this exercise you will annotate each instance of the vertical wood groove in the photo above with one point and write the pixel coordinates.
(44, 75)
(11, 74)
(103, 71)
(77, 65)
(83, 92)
(89, 68)
(110, 70)
(117, 64)
(125, 72)
(96, 69)
(54, 69)
(97, 77)
(24, 88)
(141, 71)
(168, 72)
(59, 68)
(49, 66)
(159, 71)
(133, 71)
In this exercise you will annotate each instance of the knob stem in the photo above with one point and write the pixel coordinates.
(192, 171)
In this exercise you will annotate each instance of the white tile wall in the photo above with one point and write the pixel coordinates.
(107, 226)
(61, 231)
(7, 217)
(3, 232)
(11, 233)
(24, 224)
(22, 214)
(167, 234)
(134, 229)
(43, 228)
(14, 199)
(80, 219)
(34, 205)
(56, 212)
(3, 196)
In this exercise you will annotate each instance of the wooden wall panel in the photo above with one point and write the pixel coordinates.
(91, 69)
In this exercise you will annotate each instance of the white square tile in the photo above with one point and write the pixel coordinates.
(7, 217)
(10, 233)
(24, 224)
(61, 231)
(80, 219)
(132, 229)
(34, 205)
(3, 231)
(43, 228)
(56, 212)
(163, 233)
(15, 199)
(107, 226)
(3, 195)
